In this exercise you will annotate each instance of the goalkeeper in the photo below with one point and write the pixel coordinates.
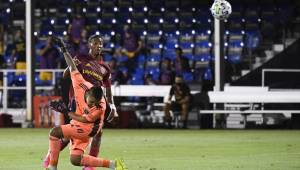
(94, 70)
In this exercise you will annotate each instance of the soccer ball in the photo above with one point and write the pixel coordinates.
(221, 9)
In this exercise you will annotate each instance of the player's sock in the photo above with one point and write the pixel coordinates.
(91, 161)
(63, 144)
(54, 147)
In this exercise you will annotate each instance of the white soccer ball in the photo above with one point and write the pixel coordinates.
(221, 9)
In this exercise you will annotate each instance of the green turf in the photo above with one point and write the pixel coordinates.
(23, 149)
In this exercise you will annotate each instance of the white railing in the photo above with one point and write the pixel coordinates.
(6, 87)
(263, 73)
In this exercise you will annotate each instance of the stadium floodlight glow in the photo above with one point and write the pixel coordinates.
(65, 33)
(112, 33)
(160, 46)
(98, 9)
(242, 44)
(160, 32)
(243, 20)
(97, 33)
(130, 9)
(113, 21)
(162, 9)
(193, 32)
(144, 32)
(35, 33)
(98, 21)
(69, 10)
(50, 33)
(243, 32)
(115, 9)
(177, 32)
(128, 21)
(208, 31)
(192, 45)
(52, 21)
(193, 9)
(225, 57)
(227, 32)
(112, 45)
(176, 46)
(8, 10)
(194, 20)
(225, 44)
(177, 9)
(145, 9)
(176, 20)
(84, 10)
(146, 21)
(259, 20)
(67, 21)
(11, 0)
(209, 20)
(161, 20)
(210, 44)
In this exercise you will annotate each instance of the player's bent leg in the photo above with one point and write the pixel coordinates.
(63, 144)
(54, 146)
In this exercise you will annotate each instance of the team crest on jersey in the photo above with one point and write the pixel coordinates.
(103, 70)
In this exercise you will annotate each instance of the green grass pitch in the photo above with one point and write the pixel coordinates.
(23, 149)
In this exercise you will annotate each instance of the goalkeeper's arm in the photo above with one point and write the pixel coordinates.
(60, 43)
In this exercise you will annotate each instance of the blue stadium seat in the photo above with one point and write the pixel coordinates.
(188, 77)
(169, 53)
(208, 75)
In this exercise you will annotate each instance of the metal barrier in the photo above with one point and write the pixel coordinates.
(6, 87)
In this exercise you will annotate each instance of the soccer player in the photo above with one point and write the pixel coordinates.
(86, 122)
(95, 71)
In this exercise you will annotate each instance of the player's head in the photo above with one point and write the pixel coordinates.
(178, 79)
(93, 96)
(95, 43)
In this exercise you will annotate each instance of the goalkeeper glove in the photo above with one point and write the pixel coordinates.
(60, 43)
(59, 106)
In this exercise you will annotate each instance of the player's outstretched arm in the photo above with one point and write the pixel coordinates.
(60, 43)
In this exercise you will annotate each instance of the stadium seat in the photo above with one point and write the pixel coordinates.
(188, 77)
(169, 53)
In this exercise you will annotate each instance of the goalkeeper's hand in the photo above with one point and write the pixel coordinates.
(59, 106)
(60, 43)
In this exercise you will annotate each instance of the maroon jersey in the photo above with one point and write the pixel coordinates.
(96, 72)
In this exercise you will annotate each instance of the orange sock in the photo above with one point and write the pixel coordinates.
(91, 161)
(54, 147)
